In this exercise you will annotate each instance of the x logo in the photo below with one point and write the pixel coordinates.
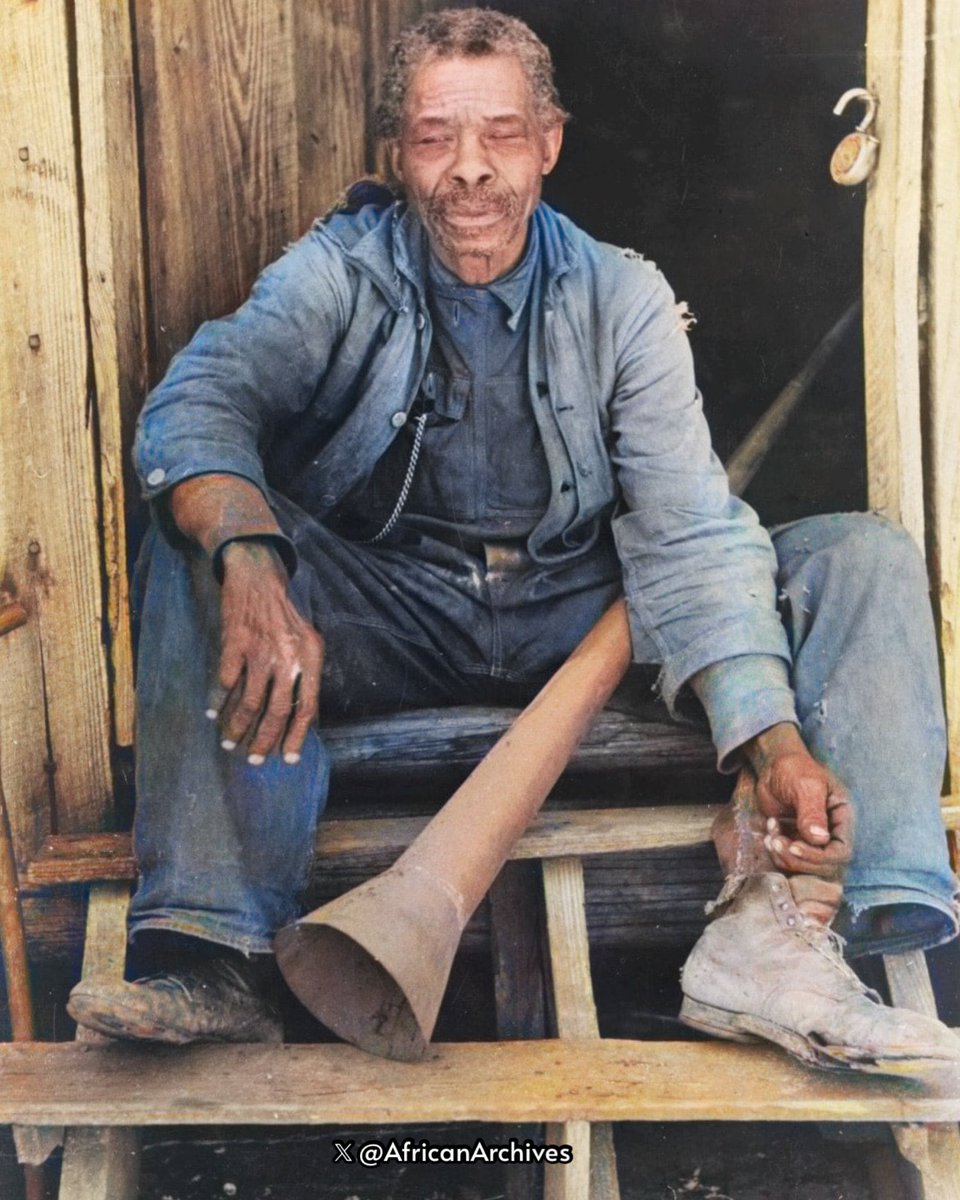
(343, 1151)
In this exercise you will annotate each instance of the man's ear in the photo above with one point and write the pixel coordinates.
(396, 158)
(552, 141)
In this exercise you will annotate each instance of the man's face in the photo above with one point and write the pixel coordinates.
(472, 156)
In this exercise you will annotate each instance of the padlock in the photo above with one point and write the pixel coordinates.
(856, 156)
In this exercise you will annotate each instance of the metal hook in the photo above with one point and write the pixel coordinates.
(858, 93)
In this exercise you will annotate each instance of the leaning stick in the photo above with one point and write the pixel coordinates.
(748, 457)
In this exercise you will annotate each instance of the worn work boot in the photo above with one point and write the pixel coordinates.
(763, 969)
(212, 999)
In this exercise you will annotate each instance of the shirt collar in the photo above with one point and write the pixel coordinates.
(511, 289)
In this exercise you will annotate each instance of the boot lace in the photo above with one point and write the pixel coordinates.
(830, 945)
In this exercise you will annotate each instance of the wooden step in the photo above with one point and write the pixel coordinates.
(428, 740)
(88, 858)
(563, 1080)
(66, 859)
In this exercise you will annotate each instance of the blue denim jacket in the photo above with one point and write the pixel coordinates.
(303, 388)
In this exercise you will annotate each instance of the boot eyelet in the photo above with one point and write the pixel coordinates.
(784, 904)
(791, 920)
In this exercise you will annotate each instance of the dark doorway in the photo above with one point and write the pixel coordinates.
(701, 137)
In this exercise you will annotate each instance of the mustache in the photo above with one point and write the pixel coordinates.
(484, 197)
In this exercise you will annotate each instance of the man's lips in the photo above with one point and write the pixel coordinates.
(472, 214)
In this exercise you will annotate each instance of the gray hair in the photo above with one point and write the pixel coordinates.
(466, 33)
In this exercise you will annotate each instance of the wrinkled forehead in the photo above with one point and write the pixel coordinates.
(491, 86)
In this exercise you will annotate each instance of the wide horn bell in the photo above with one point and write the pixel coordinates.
(373, 965)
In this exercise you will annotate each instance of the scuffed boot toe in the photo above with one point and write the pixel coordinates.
(212, 1001)
(764, 970)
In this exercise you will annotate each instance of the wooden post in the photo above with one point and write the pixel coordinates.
(102, 1163)
(934, 1150)
(942, 376)
(55, 718)
(592, 1175)
(516, 944)
(113, 263)
(895, 70)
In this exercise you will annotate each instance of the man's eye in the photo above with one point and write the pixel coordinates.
(506, 137)
(433, 139)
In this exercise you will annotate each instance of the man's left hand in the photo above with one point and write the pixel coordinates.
(809, 816)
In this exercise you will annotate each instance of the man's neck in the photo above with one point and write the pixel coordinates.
(477, 270)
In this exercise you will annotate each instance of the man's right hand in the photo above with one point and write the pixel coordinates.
(271, 659)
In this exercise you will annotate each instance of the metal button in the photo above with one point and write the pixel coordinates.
(156, 476)
(398, 420)
(420, 321)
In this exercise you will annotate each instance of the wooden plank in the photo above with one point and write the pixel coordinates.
(933, 1150)
(24, 754)
(896, 32)
(33, 1143)
(593, 1173)
(569, 1181)
(56, 716)
(635, 900)
(515, 948)
(113, 259)
(581, 1080)
(942, 407)
(575, 1013)
(436, 738)
(331, 69)
(552, 834)
(102, 1163)
(105, 944)
(216, 217)
(909, 981)
(518, 989)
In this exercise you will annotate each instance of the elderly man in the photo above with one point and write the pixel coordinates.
(440, 438)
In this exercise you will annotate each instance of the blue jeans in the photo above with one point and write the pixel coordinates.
(224, 848)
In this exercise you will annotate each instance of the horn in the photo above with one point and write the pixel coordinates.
(373, 965)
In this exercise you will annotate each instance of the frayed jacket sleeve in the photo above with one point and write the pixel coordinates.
(699, 570)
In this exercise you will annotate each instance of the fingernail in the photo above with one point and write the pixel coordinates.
(819, 831)
(256, 760)
(796, 851)
(211, 714)
(771, 824)
(768, 842)
(291, 758)
(228, 745)
(777, 845)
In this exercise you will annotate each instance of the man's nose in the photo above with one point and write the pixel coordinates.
(472, 165)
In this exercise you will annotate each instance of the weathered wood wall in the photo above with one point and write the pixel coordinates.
(155, 157)
(55, 723)
(255, 117)
(912, 303)
(942, 375)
